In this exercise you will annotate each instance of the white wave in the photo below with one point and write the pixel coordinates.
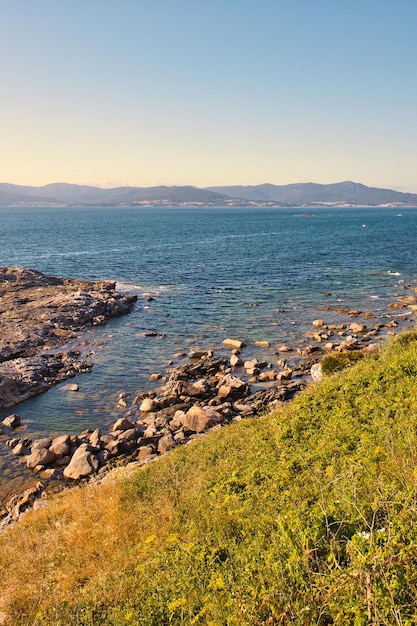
(122, 286)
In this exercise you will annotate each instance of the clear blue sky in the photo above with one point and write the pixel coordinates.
(145, 92)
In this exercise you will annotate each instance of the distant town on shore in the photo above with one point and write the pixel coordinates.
(303, 195)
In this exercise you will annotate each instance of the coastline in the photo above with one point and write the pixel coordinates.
(206, 392)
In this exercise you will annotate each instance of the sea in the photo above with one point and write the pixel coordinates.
(201, 275)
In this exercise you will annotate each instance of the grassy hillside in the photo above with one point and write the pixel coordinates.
(306, 516)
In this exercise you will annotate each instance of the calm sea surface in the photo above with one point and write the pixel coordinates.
(258, 274)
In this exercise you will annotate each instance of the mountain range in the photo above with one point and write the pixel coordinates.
(303, 195)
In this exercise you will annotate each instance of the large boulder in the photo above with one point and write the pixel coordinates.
(82, 464)
(60, 446)
(40, 456)
(198, 420)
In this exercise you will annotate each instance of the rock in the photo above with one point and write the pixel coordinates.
(318, 323)
(60, 446)
(61, 462)
(267, 376)
(40, 456)
(233, 343)
(372, 348)
(316, 372)
(277, 392)
(70, 387)
(147, 405)
(198, 420)
(103, 456)
(12, 421)
(122, 424)
(284, 348)
(19, 449)
(262, 344)
(232, 387)
(19, 503)
(244, 409)
(82, 464)
(98, 320)
(284, 375)
(200, 354)
(95, 438)
(166, 443)
(235, 361)
(131, 434)
(357, 328)
(144, 452)
(41, 443)
(250, 365)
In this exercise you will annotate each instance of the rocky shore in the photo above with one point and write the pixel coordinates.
(206, 392)
(39, 315)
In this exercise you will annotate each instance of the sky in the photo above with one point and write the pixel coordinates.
(218, 92)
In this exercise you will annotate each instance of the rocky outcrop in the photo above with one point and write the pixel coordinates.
(196, 397)
(39, 314)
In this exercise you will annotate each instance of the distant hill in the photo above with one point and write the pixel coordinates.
(313, 194)
(296, 195)
(63, 194)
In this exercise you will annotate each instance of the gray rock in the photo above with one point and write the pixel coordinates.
(19, 449)
(40, 456)
(165, 443)
(131, 434)
(41, 443)
(82, 464)
(60, 446)
(144, 451)
(122, 424)
(95, 438)
(232, 387)
(198, 420)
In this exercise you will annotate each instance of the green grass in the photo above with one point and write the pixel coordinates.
(305, 516)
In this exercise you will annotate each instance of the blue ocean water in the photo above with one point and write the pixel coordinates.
(253, 273)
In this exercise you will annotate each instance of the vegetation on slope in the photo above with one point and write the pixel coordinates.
(305, 516)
